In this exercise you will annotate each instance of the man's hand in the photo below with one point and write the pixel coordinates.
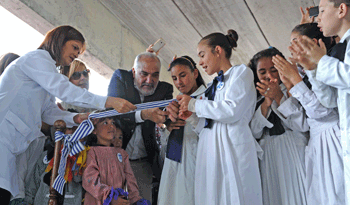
(119, 104)
(176, 125)
(155, 115)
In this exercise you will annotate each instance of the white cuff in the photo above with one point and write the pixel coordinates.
(192, 105)
(138, 118)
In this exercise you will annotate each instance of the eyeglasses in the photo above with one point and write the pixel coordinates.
(77, 75)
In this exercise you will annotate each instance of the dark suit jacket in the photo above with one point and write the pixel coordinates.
(122, 86)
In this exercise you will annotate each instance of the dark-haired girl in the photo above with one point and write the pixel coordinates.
(227, 169)
(177, 181)
(323, 155)
(280, 124)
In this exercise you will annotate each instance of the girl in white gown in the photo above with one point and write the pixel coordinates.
(227, 169)
(280, 124)
(324, 161)
(177, 181)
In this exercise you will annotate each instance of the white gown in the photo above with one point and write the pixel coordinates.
(323, 155)
(177, 181)
(227, 170)
(282, 165)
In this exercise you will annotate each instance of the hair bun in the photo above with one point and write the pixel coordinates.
(232, 37)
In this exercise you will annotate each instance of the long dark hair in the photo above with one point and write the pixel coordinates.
(57, 37)
(189, 62)
(227, 42)
(253, 63)
(6, 59)
(312, 31)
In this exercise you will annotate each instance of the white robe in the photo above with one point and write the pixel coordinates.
(177, 181)
(227, 170)
(336, 75)
(282, 165)
(323, 155)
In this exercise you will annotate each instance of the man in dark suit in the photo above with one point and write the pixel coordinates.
(139, 85)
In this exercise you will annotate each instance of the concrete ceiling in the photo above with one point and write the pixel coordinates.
(182, 23)
(117, 30)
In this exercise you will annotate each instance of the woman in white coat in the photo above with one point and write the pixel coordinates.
(28, 88)
(280, 123)
(323, 154)
(227, 170)
(177, 181)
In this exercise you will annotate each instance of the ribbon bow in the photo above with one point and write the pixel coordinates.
(210, 94)
(69, 147)
(338, 51)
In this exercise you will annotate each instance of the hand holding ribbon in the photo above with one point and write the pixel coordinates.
(115, 193)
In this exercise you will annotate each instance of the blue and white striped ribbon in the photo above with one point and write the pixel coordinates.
(73, 146)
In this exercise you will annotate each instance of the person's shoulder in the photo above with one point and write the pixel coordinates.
(241, 69)
(163, 83)
(36, 57)
(240, 72)
(165, 86)
(122, 74)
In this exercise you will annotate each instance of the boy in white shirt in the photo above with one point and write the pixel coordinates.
(333, 19)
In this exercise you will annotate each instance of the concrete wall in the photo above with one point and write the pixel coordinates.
(110, 44)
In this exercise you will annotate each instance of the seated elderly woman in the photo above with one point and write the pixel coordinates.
(78, 74)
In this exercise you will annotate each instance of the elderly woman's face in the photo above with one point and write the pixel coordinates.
(70, 51)
(80, 77)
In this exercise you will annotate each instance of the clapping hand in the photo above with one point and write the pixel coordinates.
(307, 53)
(288, 72)
(270, 88)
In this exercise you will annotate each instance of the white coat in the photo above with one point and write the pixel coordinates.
(282, 165)
(177, 181)
(28, 88)
(336, 74)
(227, 170)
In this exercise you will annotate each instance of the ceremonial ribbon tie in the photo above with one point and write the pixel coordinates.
(210, 94)
(73, 146)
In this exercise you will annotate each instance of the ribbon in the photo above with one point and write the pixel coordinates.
(210, 93)
(115, 194)
(73, 146)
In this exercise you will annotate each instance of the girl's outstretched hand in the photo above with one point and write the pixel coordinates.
(183, 101)
(185, 114)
